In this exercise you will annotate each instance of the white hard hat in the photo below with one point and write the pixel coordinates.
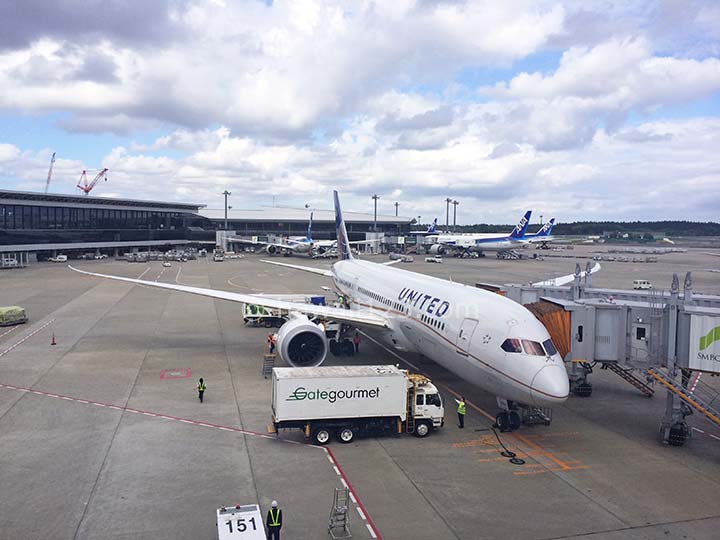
(274, 504)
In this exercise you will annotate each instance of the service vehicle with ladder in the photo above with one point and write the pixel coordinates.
(350, 401)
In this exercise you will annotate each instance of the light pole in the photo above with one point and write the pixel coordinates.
(226, 193)
(396, 208)
(375, 198)
(454, 203)
(447, 213)
(541, 220)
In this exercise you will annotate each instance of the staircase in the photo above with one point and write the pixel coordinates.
(700, 396)
(338, 525)
(627, 375)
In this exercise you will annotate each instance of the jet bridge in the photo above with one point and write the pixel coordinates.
(647, 337)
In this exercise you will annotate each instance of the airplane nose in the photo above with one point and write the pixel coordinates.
(550, 385)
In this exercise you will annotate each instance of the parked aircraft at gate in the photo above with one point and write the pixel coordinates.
(480, 336)
(478, 242)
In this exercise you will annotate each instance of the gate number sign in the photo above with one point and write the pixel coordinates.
(240, 523)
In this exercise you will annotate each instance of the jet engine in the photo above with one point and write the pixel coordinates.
(272, 250)
(437, 249)
(301, 343)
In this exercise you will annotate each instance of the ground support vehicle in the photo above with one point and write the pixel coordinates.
(12, 315)
(254, 315)
(434, 259)
(352, 401)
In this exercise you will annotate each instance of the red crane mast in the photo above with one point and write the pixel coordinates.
(86, 186)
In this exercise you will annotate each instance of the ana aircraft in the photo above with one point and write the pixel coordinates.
(478, 242)
(543, 235)
(293, 244)
(480, 336)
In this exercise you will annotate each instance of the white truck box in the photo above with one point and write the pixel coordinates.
(331, 392)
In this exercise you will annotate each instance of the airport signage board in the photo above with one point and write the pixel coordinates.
(704, 354)
(240, 522)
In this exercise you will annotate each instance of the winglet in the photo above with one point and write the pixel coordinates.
(521, 227)
(343, 244)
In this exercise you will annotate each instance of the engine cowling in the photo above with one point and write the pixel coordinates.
(302, 343)
(437, 249)
(272, 250)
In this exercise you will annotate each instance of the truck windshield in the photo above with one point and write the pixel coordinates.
(432, 399)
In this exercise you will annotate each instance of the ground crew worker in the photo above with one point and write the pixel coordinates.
(356, 342)
(461, 412)
(271, 342)
(201, 389)
(274, 522)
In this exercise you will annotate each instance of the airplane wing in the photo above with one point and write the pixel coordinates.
(265, 244)
(360, 317)
(564, 280)
(310, 269)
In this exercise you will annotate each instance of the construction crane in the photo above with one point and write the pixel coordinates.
(87, 187)
(52, 162)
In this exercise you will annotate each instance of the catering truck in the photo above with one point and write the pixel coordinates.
(350, 401)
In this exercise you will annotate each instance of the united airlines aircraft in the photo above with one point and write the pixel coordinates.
(482, 337)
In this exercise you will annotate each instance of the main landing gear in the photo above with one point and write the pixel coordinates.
(508, 419)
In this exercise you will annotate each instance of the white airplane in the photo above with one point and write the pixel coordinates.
(293, 244)
(482, 337)
(440, 244)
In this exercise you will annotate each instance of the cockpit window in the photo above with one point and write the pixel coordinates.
(549, 347)
(511, 345)
(533, 348)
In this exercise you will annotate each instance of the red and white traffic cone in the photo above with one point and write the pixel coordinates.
(53, 339)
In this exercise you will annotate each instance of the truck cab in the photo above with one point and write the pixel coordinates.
(427, 410)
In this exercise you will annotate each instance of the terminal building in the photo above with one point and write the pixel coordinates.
(38, 225)
(279, 221)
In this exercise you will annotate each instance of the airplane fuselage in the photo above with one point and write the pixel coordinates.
(461, 328)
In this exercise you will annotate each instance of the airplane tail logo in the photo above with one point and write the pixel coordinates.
(343, 245)
(432, 227)
(521, 227)
(547, 228)
(309, 233)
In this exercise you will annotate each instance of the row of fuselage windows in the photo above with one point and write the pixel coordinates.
(432, 321)
(533, 348)
(397, 306)
(63, 217)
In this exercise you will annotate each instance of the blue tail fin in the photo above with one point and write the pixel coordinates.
(546, 229)
(432, 227)
(343, 245)
(521, 228)
(309, 233)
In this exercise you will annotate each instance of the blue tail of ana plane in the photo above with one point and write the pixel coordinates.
(521, 228)
(432, 227)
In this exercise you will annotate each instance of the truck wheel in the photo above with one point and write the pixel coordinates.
(321, 435)
(334, 347)
(346, 435)
(422, 429)
(348, 347)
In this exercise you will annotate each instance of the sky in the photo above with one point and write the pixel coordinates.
(592, 110)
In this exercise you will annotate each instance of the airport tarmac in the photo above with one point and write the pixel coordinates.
(102, 435)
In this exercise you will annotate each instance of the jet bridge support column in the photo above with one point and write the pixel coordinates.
(673, 429)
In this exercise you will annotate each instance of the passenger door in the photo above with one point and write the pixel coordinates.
(467, 328)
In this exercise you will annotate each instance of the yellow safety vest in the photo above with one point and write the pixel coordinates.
(201, 387)
(461, 407)
(275, 518)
